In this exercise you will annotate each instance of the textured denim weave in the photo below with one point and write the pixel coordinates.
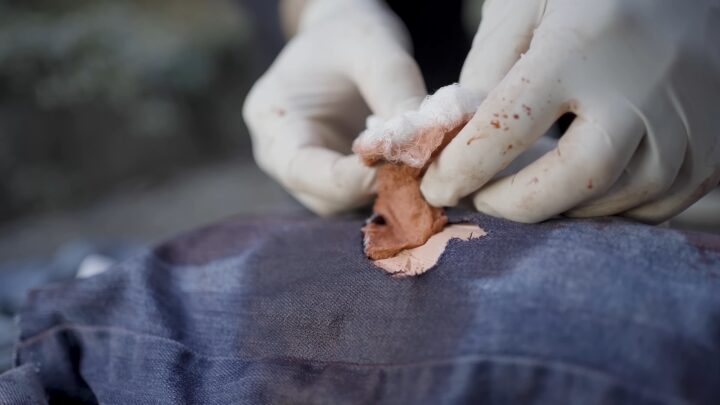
(290, 311)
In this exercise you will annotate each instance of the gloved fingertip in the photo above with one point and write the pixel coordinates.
(439, 194)
(485, 208)
(525, 216)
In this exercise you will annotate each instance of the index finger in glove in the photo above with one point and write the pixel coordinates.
(515, 114)
(304, 165)
(328, 175)
(586, 162)
(295, 151)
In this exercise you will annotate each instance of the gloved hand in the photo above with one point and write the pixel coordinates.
(305, 111)
(643, 78)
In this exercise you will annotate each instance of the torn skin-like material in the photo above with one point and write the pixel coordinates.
(402, 218)
(416, 261)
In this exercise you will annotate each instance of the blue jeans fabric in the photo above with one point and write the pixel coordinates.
(290, 311)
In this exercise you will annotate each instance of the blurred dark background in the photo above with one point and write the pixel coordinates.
(122, 119)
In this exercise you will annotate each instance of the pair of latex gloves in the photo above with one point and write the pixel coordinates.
(642, 77)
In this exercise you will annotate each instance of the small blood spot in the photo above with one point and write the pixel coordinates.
(516, 116)
(527, 109)
(280, 112)
(590, 184)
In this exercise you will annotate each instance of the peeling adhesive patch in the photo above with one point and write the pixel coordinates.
(403, 147)
(417, 261)
(402, 218)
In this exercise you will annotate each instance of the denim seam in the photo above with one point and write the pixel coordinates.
(563, 367)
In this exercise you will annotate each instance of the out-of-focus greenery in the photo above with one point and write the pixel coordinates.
(96, 91)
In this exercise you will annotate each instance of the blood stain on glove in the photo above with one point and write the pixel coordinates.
(404, 147)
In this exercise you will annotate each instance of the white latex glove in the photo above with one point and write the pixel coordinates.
(643, 77)
(305, 111)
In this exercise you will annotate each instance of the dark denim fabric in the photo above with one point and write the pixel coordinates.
(21, 386)
(290, 311)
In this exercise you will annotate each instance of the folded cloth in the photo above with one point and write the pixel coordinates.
(291, 311)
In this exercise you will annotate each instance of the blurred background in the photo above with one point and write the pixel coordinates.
(121, 126)
(122, 120)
